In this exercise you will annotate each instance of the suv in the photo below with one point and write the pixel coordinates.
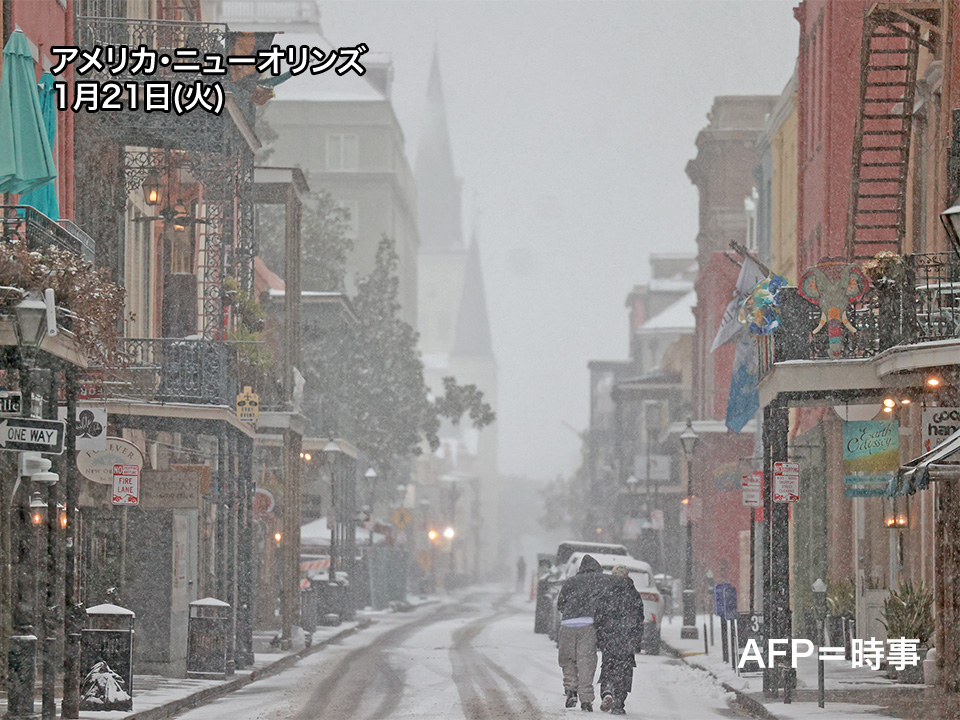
(549, 577)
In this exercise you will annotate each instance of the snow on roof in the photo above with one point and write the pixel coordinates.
(109, 609)
(316, 532)
(669, 285)
(676, 317)
(327, 86)
(210, 602)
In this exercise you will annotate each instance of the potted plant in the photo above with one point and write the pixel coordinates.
(842, 607)
(907, 614)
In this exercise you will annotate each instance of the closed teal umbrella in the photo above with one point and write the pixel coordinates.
(26, 162)
(44, 198)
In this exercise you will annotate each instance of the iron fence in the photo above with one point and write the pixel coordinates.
(27, 224)
(918, 300)
(186, 370)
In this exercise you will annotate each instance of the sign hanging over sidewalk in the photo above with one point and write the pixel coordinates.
(786, 482)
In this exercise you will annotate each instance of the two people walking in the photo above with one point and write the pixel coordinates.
(602, 612)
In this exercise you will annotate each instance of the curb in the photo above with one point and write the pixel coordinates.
(202, 697)
(746, 703)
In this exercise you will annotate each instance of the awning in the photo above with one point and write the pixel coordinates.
(933, 465)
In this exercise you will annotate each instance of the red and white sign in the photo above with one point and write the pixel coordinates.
(752, 487)
(786, 482)
(126, 485)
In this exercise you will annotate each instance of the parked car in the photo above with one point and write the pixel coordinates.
(549, 579)
(642, 575)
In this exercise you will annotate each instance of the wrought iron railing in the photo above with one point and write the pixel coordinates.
(162, 36)
(186, 370)
(29, 225)
(917, 301)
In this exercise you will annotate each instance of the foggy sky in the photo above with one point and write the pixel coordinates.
(571, 124)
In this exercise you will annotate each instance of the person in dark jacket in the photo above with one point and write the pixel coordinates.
(619, 625)
(577, 603)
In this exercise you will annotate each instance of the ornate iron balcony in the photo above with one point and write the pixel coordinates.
(919, 303)
(184, 370)
(27, 224)
(161, 36)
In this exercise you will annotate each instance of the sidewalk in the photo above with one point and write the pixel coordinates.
(849, 692)
(156, 697)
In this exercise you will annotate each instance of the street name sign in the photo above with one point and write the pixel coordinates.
(45, 436)
(10, 402)
(786, 482)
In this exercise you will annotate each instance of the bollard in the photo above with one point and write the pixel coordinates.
(706, 650)
(723, 640)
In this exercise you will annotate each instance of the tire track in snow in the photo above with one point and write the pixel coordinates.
(482, 696)
(366, 672)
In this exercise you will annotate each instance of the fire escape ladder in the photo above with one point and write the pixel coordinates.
(892, 36)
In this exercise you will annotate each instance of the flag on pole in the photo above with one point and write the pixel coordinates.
(730, 327)
(744, 399)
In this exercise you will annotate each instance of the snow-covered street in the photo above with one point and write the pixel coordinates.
(474, 656)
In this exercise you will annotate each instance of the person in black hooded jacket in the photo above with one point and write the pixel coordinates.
(577, 603)
(619, 625)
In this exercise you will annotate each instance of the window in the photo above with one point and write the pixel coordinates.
(342, 152)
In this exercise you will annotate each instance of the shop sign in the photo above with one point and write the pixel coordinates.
(938, 424)
(97, 465)
(871, 454)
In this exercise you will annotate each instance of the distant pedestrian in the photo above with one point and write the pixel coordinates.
(619, 624)
(521, 573)
(577, 604)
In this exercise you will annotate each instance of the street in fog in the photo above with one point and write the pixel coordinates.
(473, 656)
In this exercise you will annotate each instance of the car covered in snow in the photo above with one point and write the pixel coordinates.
(549, 578)
(642, 575)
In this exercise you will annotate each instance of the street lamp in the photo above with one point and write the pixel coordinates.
(820, 604)
(951, 222)
(688, 441)
(36, 318)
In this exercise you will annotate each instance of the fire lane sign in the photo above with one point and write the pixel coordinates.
(786, 482)
(126, 485)
(45, 436)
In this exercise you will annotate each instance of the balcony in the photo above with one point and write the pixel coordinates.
(921, 305)
(197, 130)
(27, 224)
(176, 370)
(162, 36)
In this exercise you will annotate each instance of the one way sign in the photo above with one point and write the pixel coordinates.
(45, 436)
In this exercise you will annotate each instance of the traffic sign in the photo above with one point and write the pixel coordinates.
(401, 517)
(10, 402)
(45, 436)
(126, 485)
(786, 482)
(752, 487)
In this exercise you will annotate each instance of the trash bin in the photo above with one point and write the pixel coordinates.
(106, 659)
(207, 644)
(308, 607)
(328, 602)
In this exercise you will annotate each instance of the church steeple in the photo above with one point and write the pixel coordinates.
(438, 186)
(473, 326)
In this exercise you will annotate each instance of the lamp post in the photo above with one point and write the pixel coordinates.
(820, 604)
(688, 441)
(371, 476)
(35, 319)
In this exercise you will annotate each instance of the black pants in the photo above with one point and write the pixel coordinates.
(616, 676)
